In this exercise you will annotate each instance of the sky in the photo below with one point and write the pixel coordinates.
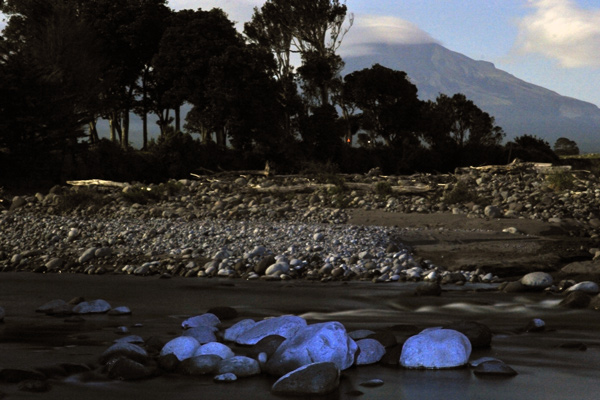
(551, 43)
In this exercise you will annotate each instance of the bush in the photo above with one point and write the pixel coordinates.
(383, 188)
(460, 193)
(81, 197)
(560, 180)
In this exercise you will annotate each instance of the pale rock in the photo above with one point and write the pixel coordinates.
(587, 287)
(232, 333)
(537, 280)
(207, 319)
(215, 348)
(87, 255)
(371, 351)
(436, 348)
(203, 334)
(225, 378)
(97, 306)
(182, 347)
(323, 342)
(285, 326)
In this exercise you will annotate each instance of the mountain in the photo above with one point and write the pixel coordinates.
(518, 106)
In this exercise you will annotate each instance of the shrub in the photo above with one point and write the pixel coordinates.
(560, 180)
(383, 188)
(460, 193)
(81, 197)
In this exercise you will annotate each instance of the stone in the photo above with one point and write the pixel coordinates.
(493, 212)
(207, 319)
(215, 348)
(87, 255)
(103, 252)
(34, 386)
(537, 280)
(428, 289)
(576, 299)
(128, 370)
(436, 348)
(595, 303)
(323, 342)
(371, 351)
(126, 350)
(587, 287)
(312, 379)
(54, 264)
(225, 378)
(513, 287)
(203, 334)
(199, 365)
(478, 334)
(98, 306)
(241, 366)
(182, 347)
(535, 325)
(263, 264)
(267, 345)
(285, 326)
(17, 202)
(130, 339)
(232, 333)
(121, 310)
(494, 368)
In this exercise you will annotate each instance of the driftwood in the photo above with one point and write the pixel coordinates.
(312, 187)
(98, 182)
(264, 172)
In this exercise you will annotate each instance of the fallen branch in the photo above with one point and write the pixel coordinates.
(98, 182)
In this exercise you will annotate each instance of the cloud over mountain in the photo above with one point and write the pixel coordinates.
(562, 30)
(369, 29)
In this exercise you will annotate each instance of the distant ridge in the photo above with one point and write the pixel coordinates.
(518, 106)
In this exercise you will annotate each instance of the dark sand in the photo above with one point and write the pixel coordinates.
(546, 371)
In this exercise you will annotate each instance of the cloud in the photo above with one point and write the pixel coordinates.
(369, 29)
(563, 31)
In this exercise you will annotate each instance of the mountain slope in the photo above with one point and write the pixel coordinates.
(519, 107)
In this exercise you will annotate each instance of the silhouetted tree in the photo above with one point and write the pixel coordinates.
(565, 147)
(530, 148)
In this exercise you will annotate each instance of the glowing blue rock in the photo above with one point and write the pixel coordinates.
(285, 326)
(436, 348)
(182, 347)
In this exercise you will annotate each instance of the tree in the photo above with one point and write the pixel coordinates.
(530, 148)
(565, 147)
(388, 101)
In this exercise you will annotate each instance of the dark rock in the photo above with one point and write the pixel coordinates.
(128, 370)
(513, 287)
(34, 385)
(392, 356)
(576, 299)
(494, 368)
(168, 362)
(313, 379)
(386, 338)
(267, 345)
(17, 375)
(372, 383)
(428, 289)
(479, 335)
(199, 365)
(263, 264)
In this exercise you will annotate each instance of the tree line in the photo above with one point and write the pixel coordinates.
(64, 64)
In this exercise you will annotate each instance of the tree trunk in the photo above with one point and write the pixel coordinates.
(177, 119)
(144, 111)
(93, 132)
(125, 129)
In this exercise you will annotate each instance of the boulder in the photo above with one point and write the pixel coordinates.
(232, 333)
(582, 267)
(240, 366)
(312, 379)
(428, 289)
(98, 306)
(537, 280)
(124, 350)
(371, 351)
(478, 334)
(207, 319)
(436, 348)
(494, 368)
(127, 369)
(87, 255)
(203, 334)
(199, 365)
(215, 348)
(576, 299)
(182, 347)
(323, 342)
(588, 287)
(285, 326)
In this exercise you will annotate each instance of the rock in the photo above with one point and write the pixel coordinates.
(285, 326)
(203, 334)
(128, 370)
(587, 287)
(215, 348)
(263, 264)
(17, 202)
(372, 383)
(436, 348)
(361, 334)
(122, 310)
(576, 299)
(371, 351)
(169, 362)
(312, 379)
(124, 350)
(582, 267)
(323, 342)
(240, 366)
(183, 347)
(232, 333)
(428, 289)
(478, 334)
(135, 339)
(493, 212)
(34, 385)
(98, 306)
(87, 255)
(225, 378)
(535, 325)
(199, 365)
(595, 303)
(512, 287)
(495, 368)
(207, 319)
(54, 264)
(537, 280)
(103, 252)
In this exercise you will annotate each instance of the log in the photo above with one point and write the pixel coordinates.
(97, 182)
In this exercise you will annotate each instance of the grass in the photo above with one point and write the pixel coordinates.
(81, 197)
(560, 180)
(460, 193)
